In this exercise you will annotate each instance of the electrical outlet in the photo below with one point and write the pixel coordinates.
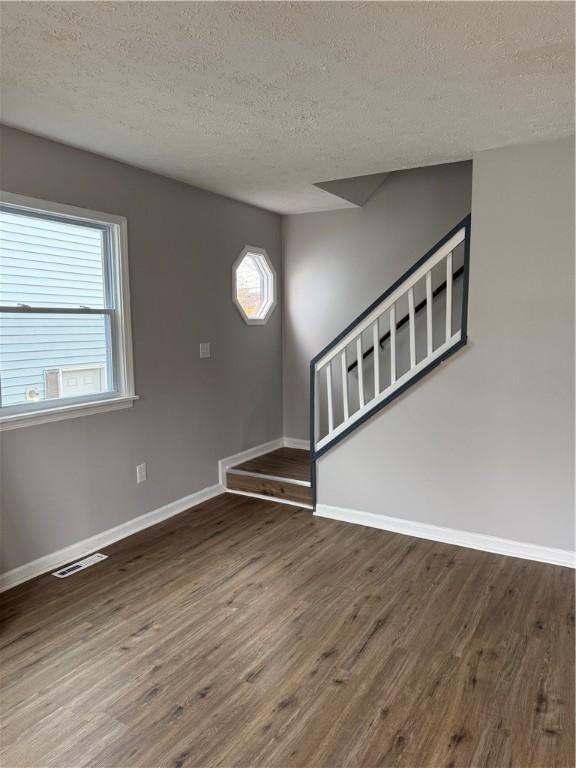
(140, 473)
(205, 349)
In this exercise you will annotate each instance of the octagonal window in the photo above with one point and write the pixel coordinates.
(254, 285)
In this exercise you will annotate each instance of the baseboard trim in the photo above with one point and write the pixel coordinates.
(258, 450)
(459, 538)
(85, 547)
(296, 442)
(249, 453)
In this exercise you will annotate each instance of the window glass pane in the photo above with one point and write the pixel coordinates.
(51, 356)
(50, 263)
(249, 286)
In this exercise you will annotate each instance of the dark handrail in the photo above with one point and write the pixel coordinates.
(464, 223)
(465, 271)
(441, 288)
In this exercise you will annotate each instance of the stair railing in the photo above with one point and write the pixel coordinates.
(330, 424)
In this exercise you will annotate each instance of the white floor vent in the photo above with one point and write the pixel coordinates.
(79, 565)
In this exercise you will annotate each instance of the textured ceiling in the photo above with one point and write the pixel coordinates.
(261, 100)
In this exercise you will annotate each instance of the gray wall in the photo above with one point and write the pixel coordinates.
(485, 443)
(65, 481)
(337, 262)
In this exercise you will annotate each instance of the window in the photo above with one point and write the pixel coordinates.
(254, 285)
(65, 344)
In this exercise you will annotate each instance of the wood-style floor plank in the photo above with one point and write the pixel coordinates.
(248, 633)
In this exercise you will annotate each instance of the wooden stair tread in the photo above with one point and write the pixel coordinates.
(291, 463)
(283, 474)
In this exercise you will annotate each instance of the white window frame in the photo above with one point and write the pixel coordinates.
(123, 396)
(269, 282)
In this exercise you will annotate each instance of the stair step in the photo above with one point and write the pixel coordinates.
(277, 488)
(282, 475)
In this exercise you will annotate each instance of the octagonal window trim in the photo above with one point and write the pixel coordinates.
(262, 262)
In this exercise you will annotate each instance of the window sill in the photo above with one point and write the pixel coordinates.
(17, 420)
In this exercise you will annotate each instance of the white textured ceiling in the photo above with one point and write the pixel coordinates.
(259, 100)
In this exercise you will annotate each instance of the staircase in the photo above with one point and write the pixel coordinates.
(282, 475)
(419, 322)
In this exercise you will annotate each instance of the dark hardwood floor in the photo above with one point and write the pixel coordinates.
(247, 633)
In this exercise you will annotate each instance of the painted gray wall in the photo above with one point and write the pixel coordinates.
(485, 443)
(65, 481)
(336, 263)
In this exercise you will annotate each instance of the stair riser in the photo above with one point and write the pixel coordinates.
(270, 487)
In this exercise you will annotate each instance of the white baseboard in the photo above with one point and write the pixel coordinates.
(85, 547)
(259, 450)
(460, 538)
(99, 541)
(250, 453)
(296, 442)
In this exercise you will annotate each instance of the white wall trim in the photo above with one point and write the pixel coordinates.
(259, 450)
(460, 538)
(100, 540)
(71, 211)
(46, 415)
(85, 547)
(296, 442)
(250, 453)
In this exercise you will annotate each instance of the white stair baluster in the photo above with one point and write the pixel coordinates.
(315, 403)
(360, 370)
(369, 325)
(376, 344)
(393, 343)
(429, 337)
(448, 297)
(345, 385)
(329, 397)
(412, 324)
